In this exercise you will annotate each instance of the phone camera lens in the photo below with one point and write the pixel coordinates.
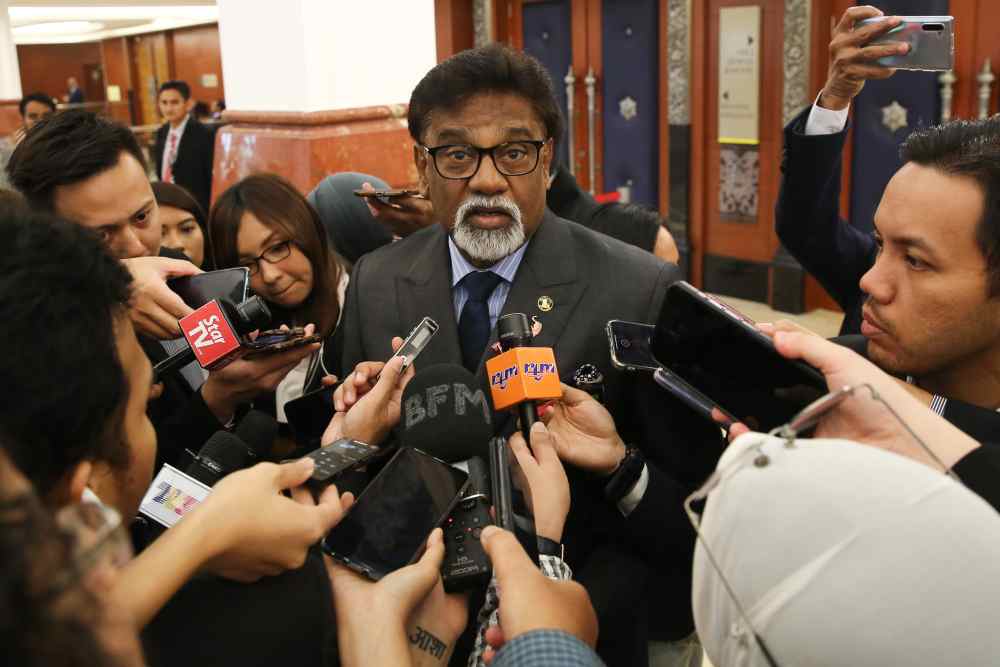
(625, 343)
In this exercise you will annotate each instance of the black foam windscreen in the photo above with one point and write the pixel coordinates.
(258, 430)
(446, 414)
(221, 454)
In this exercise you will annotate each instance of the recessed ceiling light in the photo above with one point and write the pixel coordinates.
(57, 28)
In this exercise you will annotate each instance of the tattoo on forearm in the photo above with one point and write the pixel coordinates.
(427, 642)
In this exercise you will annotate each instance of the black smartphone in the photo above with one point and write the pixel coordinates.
(279, 340)
(309, 415)
(388, 526)
(631, 345)
(720, 352)
(231, 285)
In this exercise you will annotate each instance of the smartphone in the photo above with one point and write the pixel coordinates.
(720, 353)
(416, 341)
(387, 196)
(631, 346)
(931, 40)
(279, 340)
(389, 523)
(231, 285)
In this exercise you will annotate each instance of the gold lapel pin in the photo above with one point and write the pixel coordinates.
(545, 303)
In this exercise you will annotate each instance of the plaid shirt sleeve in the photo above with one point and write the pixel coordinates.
(546, 648)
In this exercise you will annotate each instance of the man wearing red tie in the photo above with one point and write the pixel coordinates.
(184, 147)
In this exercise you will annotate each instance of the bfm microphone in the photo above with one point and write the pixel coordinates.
(446, 414)
(214, 333)
(522, 374)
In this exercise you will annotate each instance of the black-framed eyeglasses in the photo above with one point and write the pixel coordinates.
(273, 255)
(461, 161)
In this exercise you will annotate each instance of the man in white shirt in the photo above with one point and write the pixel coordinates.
(184, 148)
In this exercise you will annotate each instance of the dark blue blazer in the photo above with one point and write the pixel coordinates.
(807, 218)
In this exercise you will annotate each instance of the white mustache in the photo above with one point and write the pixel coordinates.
(499, 202)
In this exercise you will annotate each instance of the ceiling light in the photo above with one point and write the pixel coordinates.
(57, 28)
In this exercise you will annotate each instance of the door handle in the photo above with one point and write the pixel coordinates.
(570, 82)
(947, 81)
(985, 79)
(590, 82)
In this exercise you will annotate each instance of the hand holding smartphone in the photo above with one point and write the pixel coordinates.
(931, 41)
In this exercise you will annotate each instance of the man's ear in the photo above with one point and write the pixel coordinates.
(189, 104)
(420, 159)
(547, 152)
(69, 489)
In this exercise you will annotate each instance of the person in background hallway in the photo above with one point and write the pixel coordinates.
(218, 106)
(33, 107)
(184, 148)
(924, 289)
(75, 95)
(183, 223)
(349, 223)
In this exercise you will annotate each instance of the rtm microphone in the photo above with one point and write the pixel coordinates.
(522, 374)
(214, 333)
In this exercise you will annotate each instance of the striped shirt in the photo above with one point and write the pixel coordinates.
(938, 403)
(506, 268)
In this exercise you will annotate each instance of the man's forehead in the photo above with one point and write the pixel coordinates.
(494, 114)
(110, 197)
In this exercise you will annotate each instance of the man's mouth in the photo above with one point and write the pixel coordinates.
(870, 326)
(489, 217)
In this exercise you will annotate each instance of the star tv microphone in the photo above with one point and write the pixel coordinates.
(214, 333)
(446, 414)
(522, 374)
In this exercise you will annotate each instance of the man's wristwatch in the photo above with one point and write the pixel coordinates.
(625, 476)
(547, 547)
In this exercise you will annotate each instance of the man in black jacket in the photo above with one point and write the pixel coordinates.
(925, 289)
(184, 148)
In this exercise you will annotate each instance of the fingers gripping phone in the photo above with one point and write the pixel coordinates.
(388, 525)
(931, 40)
(416, 341)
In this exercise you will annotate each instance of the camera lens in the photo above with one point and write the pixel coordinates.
(625, 343)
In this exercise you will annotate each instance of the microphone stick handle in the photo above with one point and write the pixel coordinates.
(172, 363)
(501, 483)
(527, 413)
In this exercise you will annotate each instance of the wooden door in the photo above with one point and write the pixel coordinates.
(151, 66)
(734, 186)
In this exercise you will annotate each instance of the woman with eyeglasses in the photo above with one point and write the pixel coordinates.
(264, 224)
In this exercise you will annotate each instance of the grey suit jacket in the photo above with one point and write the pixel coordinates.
(589, 278)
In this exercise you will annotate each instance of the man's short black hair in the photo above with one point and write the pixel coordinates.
(41, 98)
(967, 148)
(180, 86)
(64, 390)
(491, 69)
(68, 148)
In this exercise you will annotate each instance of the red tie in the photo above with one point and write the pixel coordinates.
(168, 172)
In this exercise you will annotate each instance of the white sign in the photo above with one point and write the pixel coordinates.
(172, 495)
(739, 75)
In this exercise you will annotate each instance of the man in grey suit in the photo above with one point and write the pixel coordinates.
(485, 122)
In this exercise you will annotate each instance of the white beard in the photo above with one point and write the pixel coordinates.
(487, 246)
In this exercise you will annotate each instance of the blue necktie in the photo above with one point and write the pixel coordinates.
(474, 323)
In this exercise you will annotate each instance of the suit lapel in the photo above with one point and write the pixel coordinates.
(546, 287)
(424, 290)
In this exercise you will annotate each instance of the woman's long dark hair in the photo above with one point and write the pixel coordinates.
(276, 203)
(170, 194)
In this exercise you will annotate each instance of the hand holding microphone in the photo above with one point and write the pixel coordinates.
(583, 432)
(541, 477)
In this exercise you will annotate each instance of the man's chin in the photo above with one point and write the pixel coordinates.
(889, 360)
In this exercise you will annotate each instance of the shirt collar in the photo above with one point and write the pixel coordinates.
(506, 268)
(180, 128)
